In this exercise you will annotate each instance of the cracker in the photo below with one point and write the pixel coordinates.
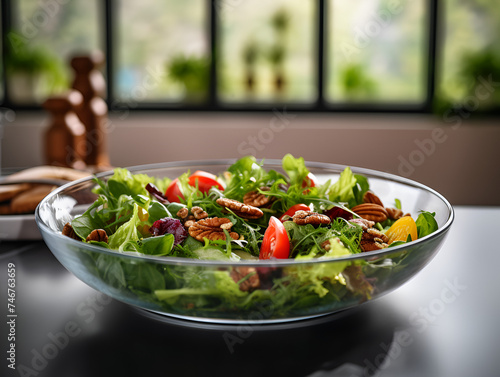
(45, 171)
(7, 192)
(5, 209)
(27, 201)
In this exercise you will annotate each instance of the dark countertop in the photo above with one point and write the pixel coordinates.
(444, 322)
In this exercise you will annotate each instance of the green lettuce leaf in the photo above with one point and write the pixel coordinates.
(316, 275)
(244, 174)
(211, 250)
(159, 245)
(213, 253)
(247, 166)
(227, 287)
(295, 168)
(157, 211)
(426, 223)
(111, 270)
(359, 190)
(397, 203)
(213, 283)
(84, 224)
(342, 190)
(123, 182)
(127, 232)
(144, 276)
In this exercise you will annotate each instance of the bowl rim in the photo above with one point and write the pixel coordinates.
(250, 263)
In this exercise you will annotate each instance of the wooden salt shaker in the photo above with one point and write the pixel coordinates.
(65, 138)
(93, 111)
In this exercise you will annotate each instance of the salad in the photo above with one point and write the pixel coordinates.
(244, 213)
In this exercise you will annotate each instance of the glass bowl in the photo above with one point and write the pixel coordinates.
(189, 288)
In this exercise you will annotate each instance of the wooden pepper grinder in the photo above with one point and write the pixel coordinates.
(65, 138)
(93, 110)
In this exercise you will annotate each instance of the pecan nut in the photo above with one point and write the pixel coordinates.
(198, 213)
(212, 228)
(188, 223)
(310, 217)
(373, 239)
(183, 213)
(240, 209)
(98, 235)
(249, 274)
(370, 211)
(370, 197)
(394, 213)
(68, 231)
(257, 199)
(363, 223)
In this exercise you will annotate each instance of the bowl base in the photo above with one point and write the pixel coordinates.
(232, 324)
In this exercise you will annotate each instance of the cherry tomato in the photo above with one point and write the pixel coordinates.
(275, 243)
(204, 180)
(291, 211)
(174, 192)
(310, 181)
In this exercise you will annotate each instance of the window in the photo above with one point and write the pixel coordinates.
(470, 58)
(310, 55)
(43, 37)
(157, 43)
(267, 52)
(377, 51)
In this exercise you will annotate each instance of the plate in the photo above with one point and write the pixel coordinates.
(19, 227)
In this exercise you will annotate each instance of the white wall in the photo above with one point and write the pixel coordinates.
(459, 158)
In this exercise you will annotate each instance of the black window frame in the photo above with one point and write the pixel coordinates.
(107, 24)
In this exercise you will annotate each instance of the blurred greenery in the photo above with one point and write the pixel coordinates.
(45, 37)
(280, 21)
(149, 35)
(193, 73)
(284, 33)
(250, 53)
(470, 49)
(277, 55)
(371, 39)
(21, 57)
(356, 84)
(473, 70)
(479, 64)
(29, 66)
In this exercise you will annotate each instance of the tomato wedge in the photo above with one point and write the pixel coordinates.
(291, 211)
(174, 192)
(275, 243)
(204, 180)
(310, 181)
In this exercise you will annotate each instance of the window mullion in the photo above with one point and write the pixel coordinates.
(431, 58)
(6, 27)
(213, 28)
(108, 20)
(321, 15)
